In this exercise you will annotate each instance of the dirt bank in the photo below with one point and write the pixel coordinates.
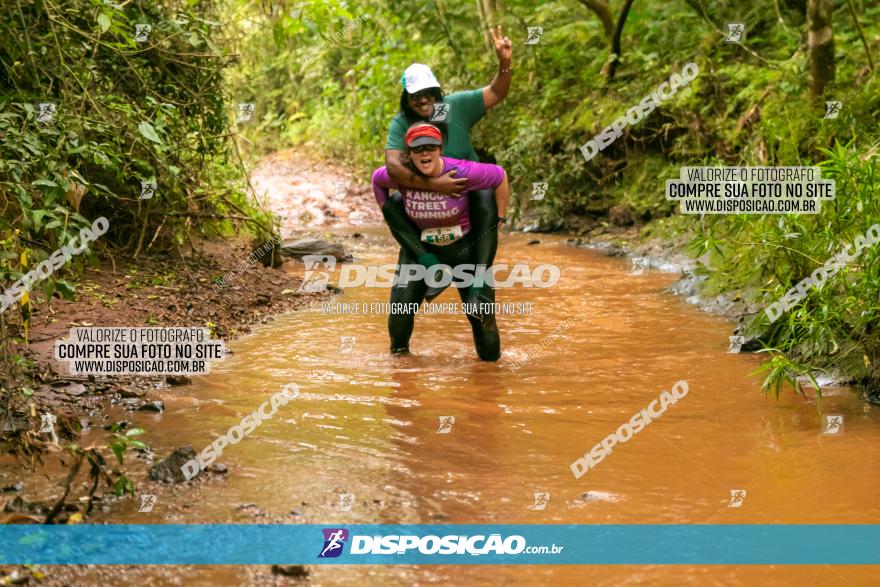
(156, 290)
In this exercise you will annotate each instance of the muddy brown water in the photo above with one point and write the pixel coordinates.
(367, 424)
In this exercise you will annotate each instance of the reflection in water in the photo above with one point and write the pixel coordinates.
(450, 445)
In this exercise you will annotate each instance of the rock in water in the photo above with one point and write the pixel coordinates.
(290, 570)
(19, 506)
(599, 496)
(218, 468)
(539, 221)
(17, 486)
(130, 392)
(298, 249)
(177, 380)
(169, 469)
(155, 406)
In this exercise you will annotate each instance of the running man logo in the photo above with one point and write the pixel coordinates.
(539, 190)
(148, 189)
(737, 496)
(346, 344)
(639, 264)
(147, 503)
(446, 423)
(47, 426)
(833, 424)
(340, 188)
(346, 500)
(533, 36)
(541, 500)
(47, 423)
(441, 111)
(142, 32)
(313, 279)
(245, 112)
(45, 112)
(832, 108)
(735, 343)
(334, 541)
(735, 32)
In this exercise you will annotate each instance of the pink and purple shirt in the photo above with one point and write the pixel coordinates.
(429, 209)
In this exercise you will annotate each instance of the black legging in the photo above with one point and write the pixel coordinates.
(478, 248)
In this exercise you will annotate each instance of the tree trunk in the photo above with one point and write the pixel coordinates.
(821, 45)
(484, 25)
(614, 58)
(489, 10)
(441, 18)
(855, 17)
(600, 8)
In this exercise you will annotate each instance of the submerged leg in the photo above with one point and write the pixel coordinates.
(401, 324)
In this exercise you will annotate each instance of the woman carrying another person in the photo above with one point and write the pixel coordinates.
(438, 229)
(460, 111)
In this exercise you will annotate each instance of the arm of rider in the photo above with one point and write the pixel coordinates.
(402, 228)
(404, 176)
(502, 196)
(497, 90)
(382, 185)
(483, 176)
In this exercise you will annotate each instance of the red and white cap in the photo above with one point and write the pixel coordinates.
(423, 134)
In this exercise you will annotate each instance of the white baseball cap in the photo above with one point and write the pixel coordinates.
(418, 77)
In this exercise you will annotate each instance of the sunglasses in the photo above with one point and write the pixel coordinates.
(424, 148)
(429, 93)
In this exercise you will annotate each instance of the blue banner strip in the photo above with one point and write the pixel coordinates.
(634, 544)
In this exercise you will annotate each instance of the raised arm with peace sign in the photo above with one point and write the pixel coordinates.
(503, 46)
(497, 90)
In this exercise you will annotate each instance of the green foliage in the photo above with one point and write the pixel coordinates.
(835, 326)
(126, 111)
(118, 444)
(783, 371)
(98, 468)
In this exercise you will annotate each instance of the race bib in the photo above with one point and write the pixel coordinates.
(441, 236)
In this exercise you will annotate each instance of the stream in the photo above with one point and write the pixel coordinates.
(366, 424)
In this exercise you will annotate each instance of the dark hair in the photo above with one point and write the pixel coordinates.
(406, 158)
(412, 117)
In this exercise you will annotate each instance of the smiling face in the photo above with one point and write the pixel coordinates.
(422, 103)
(427, 159)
